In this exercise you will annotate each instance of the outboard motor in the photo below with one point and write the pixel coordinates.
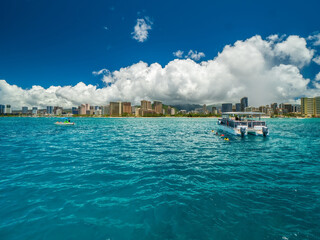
(243, 131)
(265, 131)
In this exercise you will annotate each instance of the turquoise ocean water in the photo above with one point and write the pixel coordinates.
(159, 178)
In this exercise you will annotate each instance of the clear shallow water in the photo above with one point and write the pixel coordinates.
(157, 179)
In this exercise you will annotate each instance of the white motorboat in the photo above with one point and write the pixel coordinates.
(243, 123)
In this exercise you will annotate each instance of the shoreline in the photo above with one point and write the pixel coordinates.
(163, 117)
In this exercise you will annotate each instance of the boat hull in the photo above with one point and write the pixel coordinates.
(233, 131)
(258, 131)
(64, 124)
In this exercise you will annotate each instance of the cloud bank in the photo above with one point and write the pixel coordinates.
(264, 70)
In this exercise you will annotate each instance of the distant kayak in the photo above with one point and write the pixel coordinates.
(65, 121)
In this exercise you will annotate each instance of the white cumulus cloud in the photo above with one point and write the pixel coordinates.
(294, 50)
(178, 54)
(195, 55)
(102, 71)
(263, 70)
(141, 29)
(315, 38)
(273, 38)
(317, 60)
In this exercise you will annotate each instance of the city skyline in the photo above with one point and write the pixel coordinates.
(308, 107)
(236, 105)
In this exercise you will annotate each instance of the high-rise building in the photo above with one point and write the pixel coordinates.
(97, 111)
(82, 109)
(34, 110)
(317, 106)
(307, 106)
(310, 106)
(168, 110)
(173, 111)
(115, 109)
(226, 107)
(287, 107)
(244, 103)
(137, 111)
(126, 107)
(274, 108)
(214, 110)
(133, 110)
(2, 109)
(57, 110)
(24, 110)
(8, 109)
(251, 109)
(146, 108)
(281, 105)
(263, 109)
(296, 108)
(91, 110)
(204, 109)
(146, 105)
(157, 107)
(75, 110)
(49, 109)
(238, 107)
(105, 110)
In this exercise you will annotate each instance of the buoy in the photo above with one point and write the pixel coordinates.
(227, 139)
(222, 135)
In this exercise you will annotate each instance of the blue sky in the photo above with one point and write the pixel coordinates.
(61, 42)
